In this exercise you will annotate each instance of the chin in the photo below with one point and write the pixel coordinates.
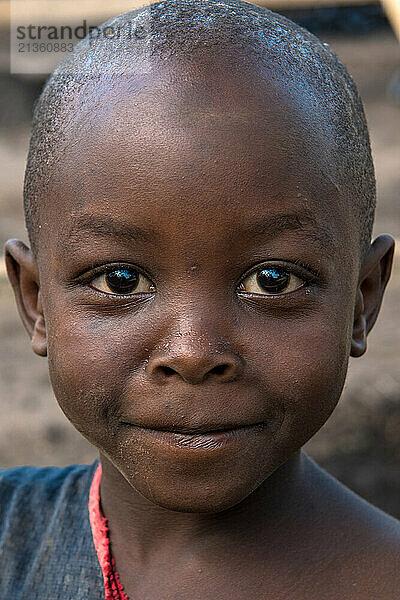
(195, 480)
(212, 492)
(185, 500)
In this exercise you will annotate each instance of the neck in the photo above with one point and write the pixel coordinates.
(140, 528)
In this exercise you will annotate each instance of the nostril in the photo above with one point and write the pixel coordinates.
(193, 369)
(218, 370)
(167, 371)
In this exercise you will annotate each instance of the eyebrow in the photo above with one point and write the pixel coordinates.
(305, 222)
(106, 227)
(271, 227)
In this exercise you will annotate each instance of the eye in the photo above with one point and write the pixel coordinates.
(272, 281)
(122, 281)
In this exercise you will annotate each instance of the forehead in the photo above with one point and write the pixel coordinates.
(187, 140)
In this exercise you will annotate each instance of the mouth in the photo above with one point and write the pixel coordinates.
(201, 438)
(208, 428)
(199, 430)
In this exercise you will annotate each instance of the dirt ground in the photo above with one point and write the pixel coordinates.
(361, 442)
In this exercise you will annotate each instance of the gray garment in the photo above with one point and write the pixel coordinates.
(46, 544)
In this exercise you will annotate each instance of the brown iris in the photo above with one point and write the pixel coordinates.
(122, 281)
(273, 280)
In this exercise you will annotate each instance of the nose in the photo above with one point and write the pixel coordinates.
(193, 359)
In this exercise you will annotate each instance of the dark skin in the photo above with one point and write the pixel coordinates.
(206, 191)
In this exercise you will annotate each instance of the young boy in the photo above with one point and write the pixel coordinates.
(199, 200)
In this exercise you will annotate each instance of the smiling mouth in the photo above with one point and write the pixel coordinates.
(198, 438)
(198, 430)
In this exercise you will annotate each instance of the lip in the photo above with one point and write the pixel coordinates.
(197, 440)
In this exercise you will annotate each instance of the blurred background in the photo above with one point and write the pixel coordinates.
(360, 444)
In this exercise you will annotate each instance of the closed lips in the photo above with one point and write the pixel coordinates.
(198, 430)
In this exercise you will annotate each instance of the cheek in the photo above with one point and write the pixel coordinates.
(304, 365)
(90, 363)
(316, 383)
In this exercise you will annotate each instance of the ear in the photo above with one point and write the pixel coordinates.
(374, 276)
(23, 274)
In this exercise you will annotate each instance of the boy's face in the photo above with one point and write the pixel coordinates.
(198, 271)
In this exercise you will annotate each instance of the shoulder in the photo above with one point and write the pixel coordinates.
(44, 477)
(30, 485)
(45, 537)
(361, 542)
(29, 496)
(350, 510)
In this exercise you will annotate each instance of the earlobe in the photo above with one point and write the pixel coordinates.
(23, 274)
(374, 276)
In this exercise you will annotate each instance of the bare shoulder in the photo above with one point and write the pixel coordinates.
(361, 542)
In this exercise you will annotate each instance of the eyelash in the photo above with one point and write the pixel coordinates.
(294, 267)
(297, 268)
(85, 278)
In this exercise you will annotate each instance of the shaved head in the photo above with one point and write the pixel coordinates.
(242, 35)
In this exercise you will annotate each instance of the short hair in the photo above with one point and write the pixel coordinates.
(177, 28)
